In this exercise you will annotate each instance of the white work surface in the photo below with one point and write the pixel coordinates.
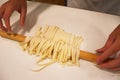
(94, 27)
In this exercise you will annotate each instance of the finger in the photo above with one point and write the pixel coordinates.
(101, 50)
(111, 64)
(7, 23)
(23, 16)
(1, 12)
(6, 17)
(2, 27)
(112, 50)
(1, 15)
(109, 42)
(116, 69)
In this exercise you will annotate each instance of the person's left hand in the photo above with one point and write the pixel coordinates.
(6, 11)
(111, 47)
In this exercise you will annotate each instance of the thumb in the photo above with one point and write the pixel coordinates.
(113, 49)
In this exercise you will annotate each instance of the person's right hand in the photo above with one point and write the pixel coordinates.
(111, 48)
(6, 11)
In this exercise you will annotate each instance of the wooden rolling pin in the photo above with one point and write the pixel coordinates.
(20, 38)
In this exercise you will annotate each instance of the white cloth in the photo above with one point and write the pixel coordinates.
(106, 6)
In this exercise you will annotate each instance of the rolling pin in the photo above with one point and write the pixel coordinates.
(20, 38)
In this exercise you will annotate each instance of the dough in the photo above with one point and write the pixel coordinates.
(53, 43)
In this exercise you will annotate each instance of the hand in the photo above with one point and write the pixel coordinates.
(111, 47)
(8, 8)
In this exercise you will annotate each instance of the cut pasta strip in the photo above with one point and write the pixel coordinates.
(43, 66)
